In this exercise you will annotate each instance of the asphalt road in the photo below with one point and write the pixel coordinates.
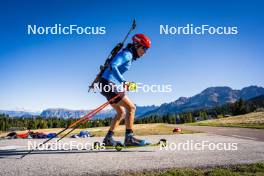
(244, 133)
(111, 162)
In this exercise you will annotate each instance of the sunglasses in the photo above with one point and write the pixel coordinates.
(145, 49)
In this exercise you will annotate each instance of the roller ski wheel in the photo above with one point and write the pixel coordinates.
(119, 146)
(163, 142)
(97, 146)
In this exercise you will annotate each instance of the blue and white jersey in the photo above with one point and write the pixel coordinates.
(119, 65)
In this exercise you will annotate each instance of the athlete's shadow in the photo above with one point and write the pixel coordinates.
(5, 154)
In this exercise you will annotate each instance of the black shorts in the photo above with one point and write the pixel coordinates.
(111, 93)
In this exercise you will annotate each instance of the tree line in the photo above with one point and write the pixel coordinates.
(22, 123)
(239, 107)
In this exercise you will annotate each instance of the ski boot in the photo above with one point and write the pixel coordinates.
(130, 140)
(109, 141)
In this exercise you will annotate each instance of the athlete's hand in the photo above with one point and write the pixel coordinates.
(130, 86)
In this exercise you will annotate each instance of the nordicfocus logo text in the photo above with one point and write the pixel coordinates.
(191, 29)
(139, 87)
(59, 29)
(191, 145)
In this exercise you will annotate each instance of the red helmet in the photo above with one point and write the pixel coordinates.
(142, 40)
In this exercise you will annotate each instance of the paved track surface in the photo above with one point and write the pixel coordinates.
(110, 162)
(244, 133)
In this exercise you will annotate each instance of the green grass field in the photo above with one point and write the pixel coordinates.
(256, 169)
(251, 120)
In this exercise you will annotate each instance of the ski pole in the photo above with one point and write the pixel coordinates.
(88, 118)
(89, 115)
(84, 120)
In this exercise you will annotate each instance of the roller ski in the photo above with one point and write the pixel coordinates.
(118, 146)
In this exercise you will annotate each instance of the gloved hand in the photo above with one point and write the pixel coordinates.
(130, 86)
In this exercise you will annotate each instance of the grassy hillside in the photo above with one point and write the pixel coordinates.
(250, 120)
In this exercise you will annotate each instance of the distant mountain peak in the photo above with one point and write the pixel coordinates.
(216, 89)
(180, 100)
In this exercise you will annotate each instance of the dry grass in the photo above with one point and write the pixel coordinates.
(139, 129)
(250, 120)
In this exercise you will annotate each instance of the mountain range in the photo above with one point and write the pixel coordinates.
(208, 98)
(66, 113)
(19, 113)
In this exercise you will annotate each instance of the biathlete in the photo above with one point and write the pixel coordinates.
(113, 76)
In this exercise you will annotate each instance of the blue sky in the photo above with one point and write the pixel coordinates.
(49, 71)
